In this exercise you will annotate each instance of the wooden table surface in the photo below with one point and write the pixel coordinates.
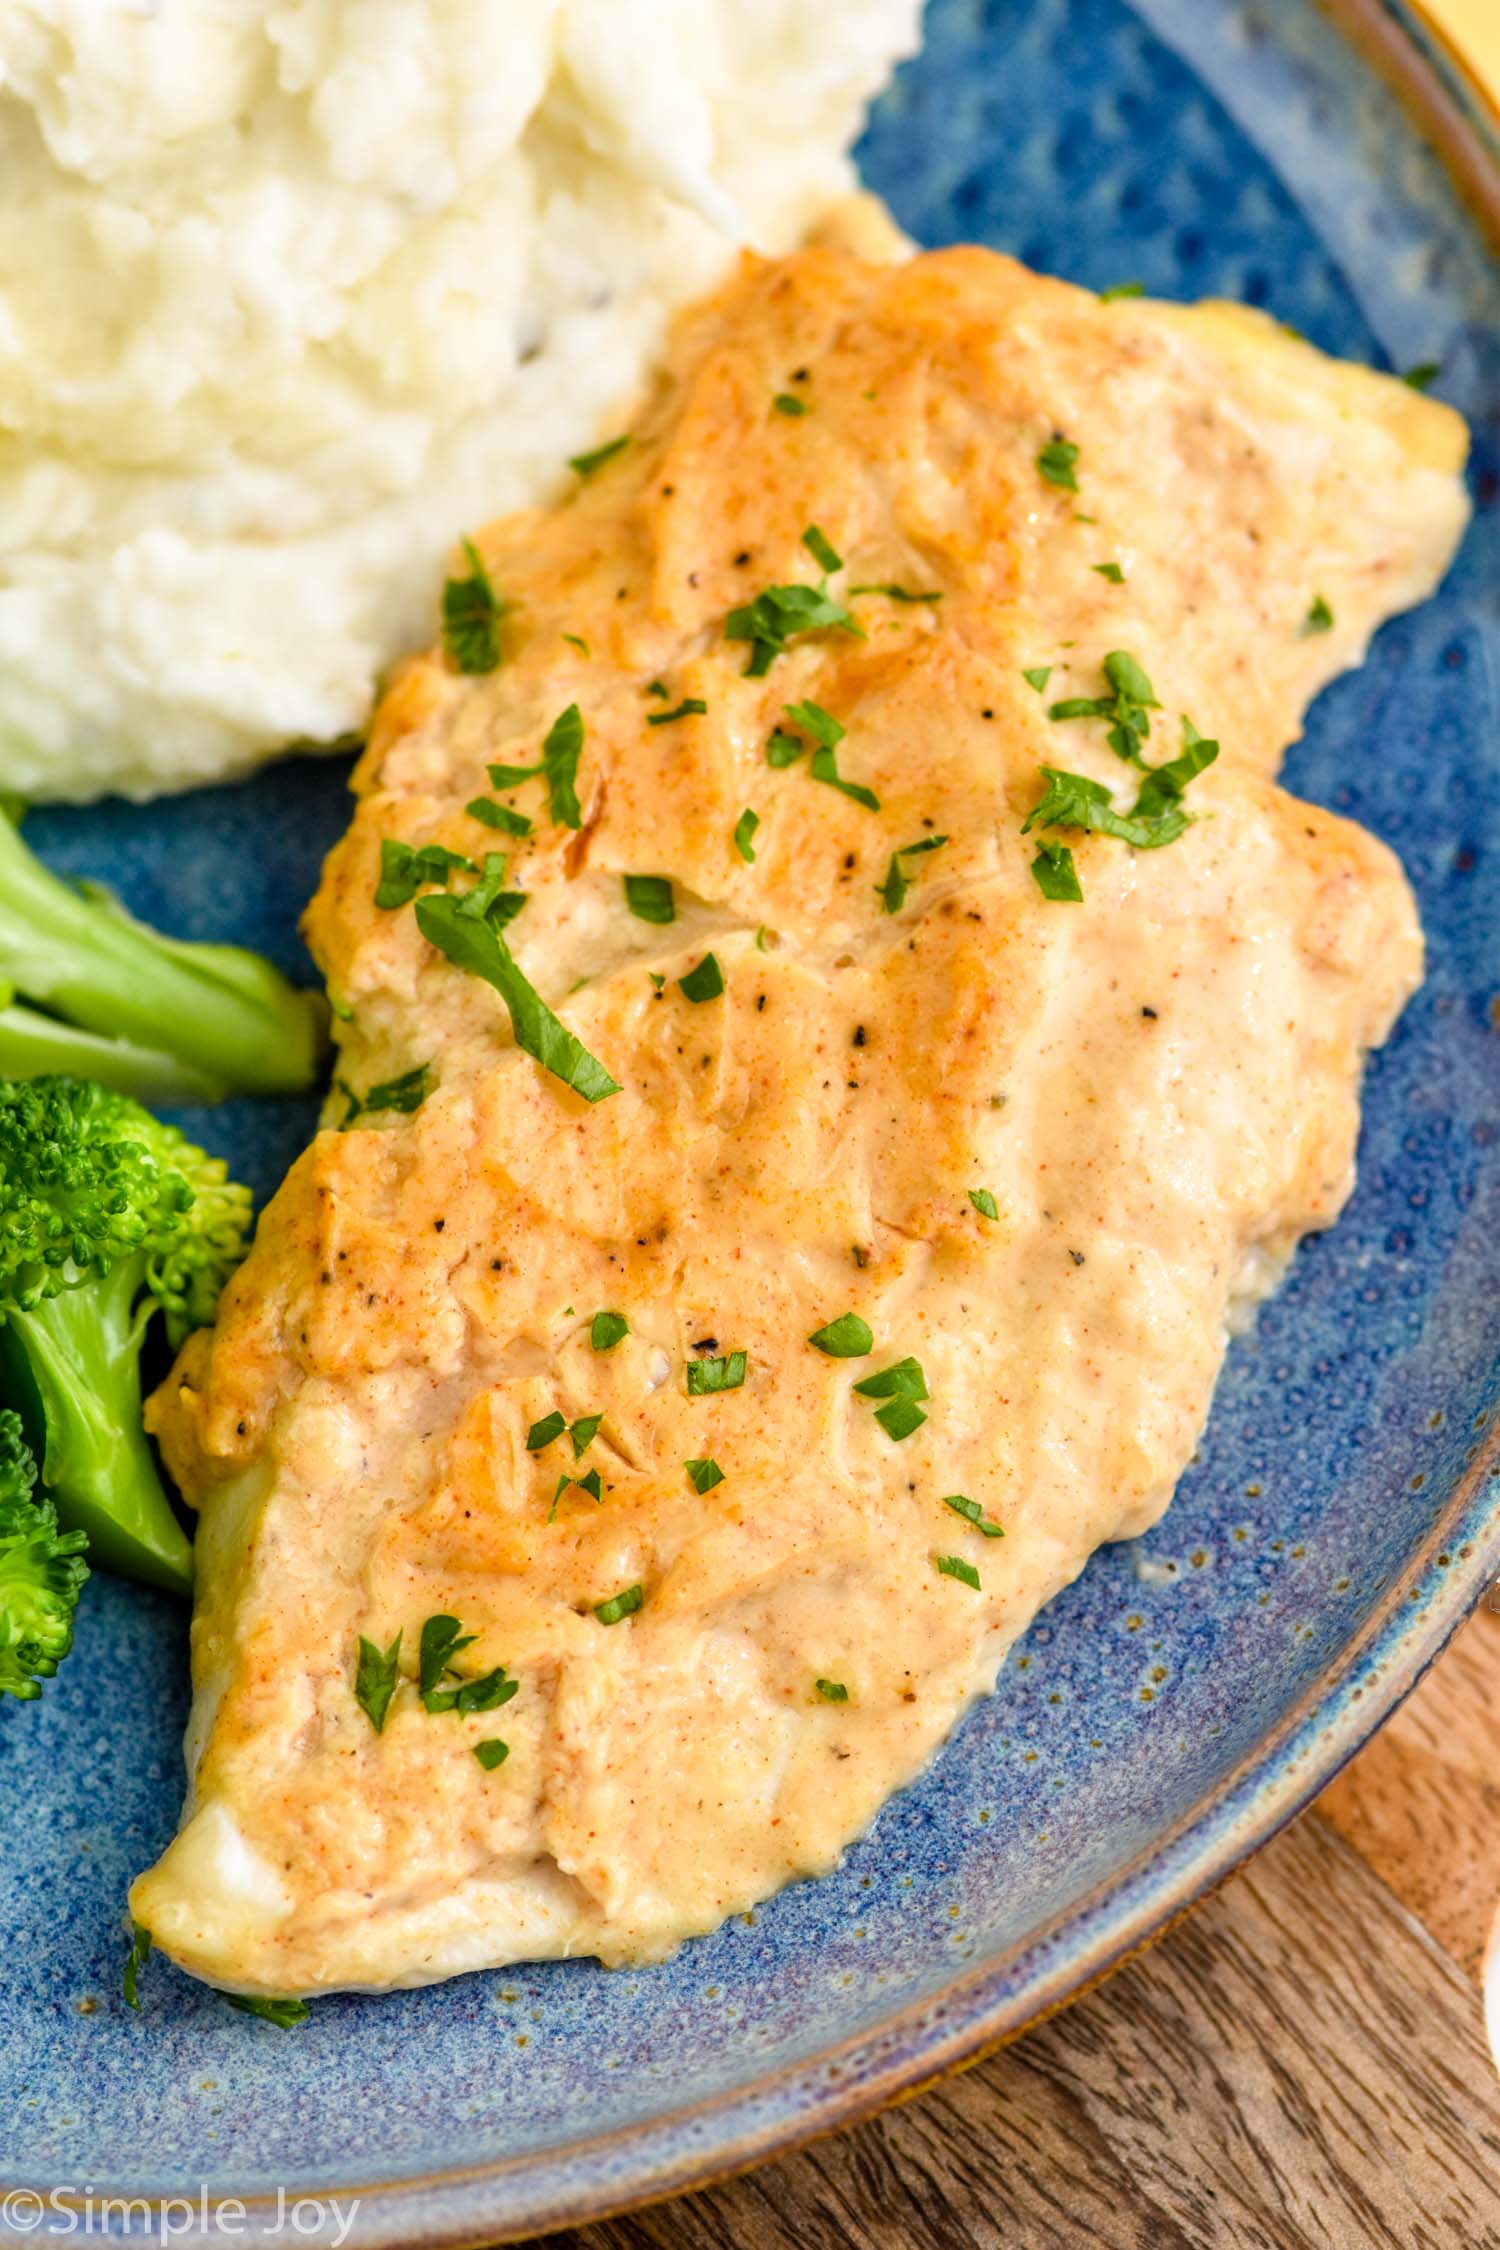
(1302, 2062)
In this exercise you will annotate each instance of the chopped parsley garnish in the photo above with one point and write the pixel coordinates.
(972, 1513)
(590, 1482)
(1057, 463)
(1127, 707)
(954, 1566)
(1156, 818)
(1423, 375)
(825, 767)
(1056, 876)
(705, 982)
(903, 1380)
(492, 1753)
(1111, 571)
(691, 707)
(576, 640)
(895, 593)
(848, 1337)
(472, 611)
(141, 1942)
(1121, 289)
(606, 1329)
(649, 898)
(487, 901)
(498, 816)
(443, 1638)
(541, 1434)
(560, 753)
(658, 687)
(822, 549)
(1038, 677)
(285, 2014)
(485, 1694)
(770, 621)
(900, 1418)
(1319, 618)
(832, 1691)
(619, 1605)
(585, 464)
(583, 1432)
(559, 762)
(375, 1679)
(406, 1093)
(787, 402)
(901, 1385)
(892, 892)
(705, 1376)
(471, 943)
(704, 1474)
(984, 1203)
(744, 831)
(404, 868)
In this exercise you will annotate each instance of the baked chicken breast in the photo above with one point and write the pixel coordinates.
(774, 1227)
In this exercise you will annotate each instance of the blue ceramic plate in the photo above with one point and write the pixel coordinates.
(1188, 1693)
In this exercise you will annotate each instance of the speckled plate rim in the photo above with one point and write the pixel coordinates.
(692, 2144)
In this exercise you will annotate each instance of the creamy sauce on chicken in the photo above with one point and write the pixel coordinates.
(1042, 1148)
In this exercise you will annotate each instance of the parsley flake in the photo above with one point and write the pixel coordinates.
(892, 892)
(1056, 876)
(691, 707)
(770, 621)
(491, 1753)
(443, 1638)
(832, 1691)
(972, 1513)
(606, 1329)
(1121, 289)
(1423, 375)
(984, 1203)
(1038, 677)
(472, 611)
(727, 1373)
(895, 593)
(744, 831)
(541, 1434)
(624, 1604)
(1111, 571)
(1319, 618)
(954, 1566)
(141, 1942)
(902, 1380)
(1057, 462)
(583, 1432)
(375, 1679)
(560, 754)
(586, 464)
(649, 898)
(900, 1418)
(848, 1337)
(405, 868)
(472, 944)
(404, 1094)
(285, 2014)
(705, 982)
(786, 402)
(498, 816)
(703, 1474)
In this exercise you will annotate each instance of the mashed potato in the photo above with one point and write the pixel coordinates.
(290, 295)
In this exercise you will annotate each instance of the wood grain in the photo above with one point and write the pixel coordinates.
(1303, 2063)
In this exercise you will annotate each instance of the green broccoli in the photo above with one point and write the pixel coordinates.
(152, 1015)
(106, 1217)
(41, 1573)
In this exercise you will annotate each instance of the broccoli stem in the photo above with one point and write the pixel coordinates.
(81, 1353)
(226, 1013)
(36, 1046)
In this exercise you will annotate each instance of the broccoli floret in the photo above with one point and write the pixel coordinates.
(106, 1217)
(41, 1573)
(191, 1022)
